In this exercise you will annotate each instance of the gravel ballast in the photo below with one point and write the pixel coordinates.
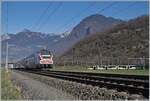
(35, 90)
(82, 91)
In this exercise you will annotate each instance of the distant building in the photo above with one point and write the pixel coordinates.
(10, 65)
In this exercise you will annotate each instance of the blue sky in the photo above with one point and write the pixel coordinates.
(63, 16)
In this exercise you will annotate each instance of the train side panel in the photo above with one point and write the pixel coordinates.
(38, 60)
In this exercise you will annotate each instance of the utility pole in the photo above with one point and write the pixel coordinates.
(141, 60)
(99, 54)
(7, 47)
(73, 56)
(6, 65)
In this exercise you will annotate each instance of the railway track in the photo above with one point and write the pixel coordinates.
(128, 83)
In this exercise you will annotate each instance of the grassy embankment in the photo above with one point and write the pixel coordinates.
(8, 91)
(83, 69)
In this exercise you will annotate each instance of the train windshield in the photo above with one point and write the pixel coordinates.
(45, 52)
(46, 56)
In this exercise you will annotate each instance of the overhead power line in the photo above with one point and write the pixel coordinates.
(107, 7)
(49, 16)
(42, 15)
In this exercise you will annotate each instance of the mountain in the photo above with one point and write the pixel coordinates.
(92, 24)
(27, 42)
(88, 26)
(126, 40)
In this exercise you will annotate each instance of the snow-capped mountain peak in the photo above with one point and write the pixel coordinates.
(5, 37)
(65, 34)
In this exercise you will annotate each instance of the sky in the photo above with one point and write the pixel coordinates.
(58, 17)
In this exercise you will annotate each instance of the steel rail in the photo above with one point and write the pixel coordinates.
(138, 77)
(118, 80)
(109, 83)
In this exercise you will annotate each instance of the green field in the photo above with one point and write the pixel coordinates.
(8, 91)
(83, 69)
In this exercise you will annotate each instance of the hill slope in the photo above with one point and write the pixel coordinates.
(88, 26)
(127, 40)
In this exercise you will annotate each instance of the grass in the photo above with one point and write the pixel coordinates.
(8, 91)
(83, 69)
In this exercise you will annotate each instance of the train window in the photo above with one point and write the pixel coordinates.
(45, 52)
(46, 57)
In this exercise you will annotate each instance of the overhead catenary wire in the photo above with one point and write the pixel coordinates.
(107, 7)
(49, 16)
(42, 15)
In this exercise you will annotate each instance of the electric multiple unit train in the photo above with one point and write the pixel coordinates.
(38, 60)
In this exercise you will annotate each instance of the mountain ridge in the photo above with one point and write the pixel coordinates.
(28, 41)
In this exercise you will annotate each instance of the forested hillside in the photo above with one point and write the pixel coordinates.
(116, 46)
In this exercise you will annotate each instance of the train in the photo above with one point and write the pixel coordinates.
(39, 60)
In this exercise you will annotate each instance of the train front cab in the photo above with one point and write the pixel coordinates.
(45, 59)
